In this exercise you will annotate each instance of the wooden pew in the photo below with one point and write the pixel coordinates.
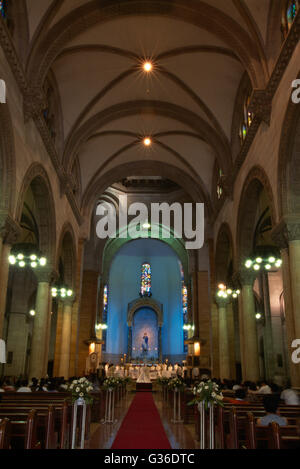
(53, 422)
(272, 437)
(230, 425)
(5, 431)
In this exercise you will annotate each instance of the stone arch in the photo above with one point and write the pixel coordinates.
(7, 161)
(224, 247)
(289, 163)
(143, 303)
(114, 245)
(67, 251)
(144, 168)
(256, 182)
(37, 178)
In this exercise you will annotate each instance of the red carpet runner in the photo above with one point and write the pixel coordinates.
(142, 427)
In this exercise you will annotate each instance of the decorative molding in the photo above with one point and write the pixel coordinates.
(261, 105)
(10, 230)
(287, 230)
(245, 277)
(142, 303)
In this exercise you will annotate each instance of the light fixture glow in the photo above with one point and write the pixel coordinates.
(146, 226)
(248, 263)
(33, 257)
(147, 142)
(22, 264)
(256, 267)
(148, 66)
(259, 260)
(12, 260)
(258, 316)
(32, 313)
(43, 261)
(272, 260)
(268, 266)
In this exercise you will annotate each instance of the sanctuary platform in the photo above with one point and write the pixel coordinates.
(143, 387)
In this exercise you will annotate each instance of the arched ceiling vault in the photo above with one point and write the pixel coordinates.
(200, 51)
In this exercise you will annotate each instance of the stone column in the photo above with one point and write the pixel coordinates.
(249, 339)
(39, 347)
(159, 343)
(231, 340)
(9, 233)
(281, 237)
(64, 364)
(129, 342)
(224, 359)
(215, 341)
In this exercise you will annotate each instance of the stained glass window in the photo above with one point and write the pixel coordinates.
(104, 316)
(219, 185)
(247, 119)
(291, 10)
(3, 8)
(184, 297)
(146, 280)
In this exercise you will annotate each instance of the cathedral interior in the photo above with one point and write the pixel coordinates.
(157, 102)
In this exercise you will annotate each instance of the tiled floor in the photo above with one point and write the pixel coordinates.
(180, 436)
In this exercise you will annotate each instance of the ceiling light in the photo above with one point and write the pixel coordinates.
(148, 66)
(147, 142)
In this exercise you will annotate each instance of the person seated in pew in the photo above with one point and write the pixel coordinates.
(42, 386)
(24, 386)
(264, 388)
(289, 396)
(239, 398)
(52, 386)
(237, 385)
(8, 386)
(271, 404)
(34, 384)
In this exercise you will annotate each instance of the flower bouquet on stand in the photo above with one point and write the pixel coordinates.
(177, 386)
(110, 385)
(207, 395)
(163, 382)
(80, 389)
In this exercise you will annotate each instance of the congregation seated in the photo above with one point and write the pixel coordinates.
(264, 388)
(271, 404)
(239, 397)
(289, 396)
(24, 386)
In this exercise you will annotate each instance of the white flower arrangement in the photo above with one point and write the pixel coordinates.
(176, 384)
(111, 383)
(81, 389)
(209, 393)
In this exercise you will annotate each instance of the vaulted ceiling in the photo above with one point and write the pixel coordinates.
(200, 51)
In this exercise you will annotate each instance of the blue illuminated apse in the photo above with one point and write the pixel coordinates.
(124, 287)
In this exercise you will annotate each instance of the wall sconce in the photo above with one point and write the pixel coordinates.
(197, 349)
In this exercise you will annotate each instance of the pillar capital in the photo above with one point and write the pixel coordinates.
(68, 301)
(245, 277)
(287, 230)
(222, 302)
(9, 229)
(46, 274)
